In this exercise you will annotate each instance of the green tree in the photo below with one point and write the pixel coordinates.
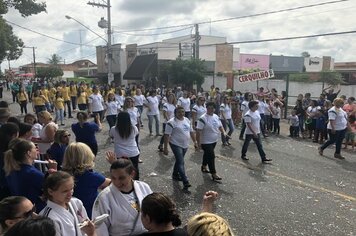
(305, 54)
(54, 59)
(187, 72)
(49, 72)
(10, 45)
(331, 77)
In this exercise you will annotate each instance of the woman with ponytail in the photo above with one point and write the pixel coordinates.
(22, 177)
(160, 217)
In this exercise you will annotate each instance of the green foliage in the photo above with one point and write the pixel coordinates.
(25, 7)
(54, 59)
(187, 72)
(305, 54)
(300, 77)
(10, 45)
(331, 77)
(49, 72)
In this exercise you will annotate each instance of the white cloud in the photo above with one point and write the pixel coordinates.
(138, 14)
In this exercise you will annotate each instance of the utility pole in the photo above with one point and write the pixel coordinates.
(34, 61)
(109, 49)
(197, 38)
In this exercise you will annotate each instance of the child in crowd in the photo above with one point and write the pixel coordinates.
(350, 135)
(293, 120)
(59, 107)
(276, 117)
(320, 126)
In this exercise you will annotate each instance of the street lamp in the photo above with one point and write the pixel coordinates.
(108, 42)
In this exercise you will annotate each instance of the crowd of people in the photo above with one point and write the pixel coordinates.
(42, 171)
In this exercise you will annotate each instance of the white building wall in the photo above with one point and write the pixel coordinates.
(68, 74)
(235, 58)
(217, 81)
(313, 64)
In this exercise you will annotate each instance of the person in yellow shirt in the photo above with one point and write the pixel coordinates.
(65, 94)
(82, 99)
(51, 95)
(22, 99)
(73, 92)
(38, 102)
(45, 93)
(59, 107)
(88, 90)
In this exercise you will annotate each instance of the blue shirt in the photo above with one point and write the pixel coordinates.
(86, 188)
(27, 182)
(56, 152)
(85, 134)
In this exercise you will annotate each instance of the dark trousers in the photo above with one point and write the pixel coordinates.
(301, 123)
(269, 123)
(319, 133)
(111, 120)
(23, 107)
(14, 96)
(336, 138)
(294, 131)
(40, 108)
(276, 127)
(187, 114)
(179, 169)
(263, 124)
(101, 115)
(243, 128)
(74, 102)
(1, 90)
(93, 147)
(258, 143)
(162, 139)
(82, 107)
(134, 161)
(209, 156)
(69, 108)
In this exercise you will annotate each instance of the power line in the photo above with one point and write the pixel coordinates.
(169, 32)
(239, 17)
(281, 39)
(45, 35)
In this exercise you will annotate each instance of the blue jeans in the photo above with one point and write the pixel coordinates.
(178, 169)
(225, 124)
(59, 115)
(301, 123)
(140, 110)
(336, 138)
(150, 121)
(257, 142)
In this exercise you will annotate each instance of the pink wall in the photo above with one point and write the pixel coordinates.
(253, 61)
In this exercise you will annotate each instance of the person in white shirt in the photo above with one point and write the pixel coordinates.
(139, 98)
(119, 96)
(66, 211)
(177, 133)
(209, 128)
(112, 109)
(337, 126)
(262, 107)
(198, 110)
(168, 113)
(152, 104)
(121, 200)
(252, 119)
(124, 135)
(226, 121)
(293, 120)
(184, 102)
(244, 108)
(96, 104)
(276, 117)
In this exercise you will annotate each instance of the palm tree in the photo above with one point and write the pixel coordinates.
(54, 59)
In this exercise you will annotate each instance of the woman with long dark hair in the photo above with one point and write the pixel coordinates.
(124, 134)
(85, 131)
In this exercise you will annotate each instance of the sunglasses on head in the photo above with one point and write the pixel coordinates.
(27, 214)
(67, 135)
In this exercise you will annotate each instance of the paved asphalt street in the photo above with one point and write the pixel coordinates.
(299, 193)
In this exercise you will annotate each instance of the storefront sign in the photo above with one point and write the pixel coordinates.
(261, 75)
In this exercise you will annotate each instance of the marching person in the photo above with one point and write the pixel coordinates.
(226, 120)
(337, 125)
(252, 119)
(208, 129)
(177, 133)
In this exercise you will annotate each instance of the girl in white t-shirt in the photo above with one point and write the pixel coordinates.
(152, 104)
(112, 109)
(276, 117)
(198, 110)
(185, 103)
(225, 117)
(124, 135)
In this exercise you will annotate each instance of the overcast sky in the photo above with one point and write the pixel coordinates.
(142, 14)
